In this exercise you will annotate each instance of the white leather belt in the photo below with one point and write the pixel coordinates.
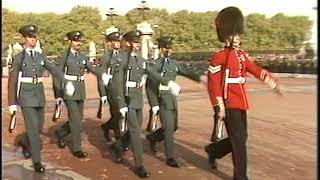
(163, 88)
(131, 84)
(33, 80)
(238, 80)
(73, 78)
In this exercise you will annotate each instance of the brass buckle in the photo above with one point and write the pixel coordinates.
(35, 79)
(78, 78)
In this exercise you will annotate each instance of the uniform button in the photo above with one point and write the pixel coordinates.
(33, 64)
(34, 69)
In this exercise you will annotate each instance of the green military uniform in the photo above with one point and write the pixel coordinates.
(30, 66)
(159, 95)
(112, 63)
(130, 95)
(74, 63)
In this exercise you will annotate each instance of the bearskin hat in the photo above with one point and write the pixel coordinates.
(229, 21)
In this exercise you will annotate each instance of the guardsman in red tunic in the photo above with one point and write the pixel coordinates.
(226, 86)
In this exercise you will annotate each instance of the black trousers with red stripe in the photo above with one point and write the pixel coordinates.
(236, 125)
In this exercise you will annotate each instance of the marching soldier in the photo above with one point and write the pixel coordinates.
(226, 85)
(130, 99)
(73, 63)
(163, 102)
(112, 62)
(26, 89)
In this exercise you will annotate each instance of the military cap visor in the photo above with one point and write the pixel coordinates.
(165, 42)
(75, 36)
(115, 36)
(133, 36)
(29, 31)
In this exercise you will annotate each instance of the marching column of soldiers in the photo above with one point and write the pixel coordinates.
(121, 76)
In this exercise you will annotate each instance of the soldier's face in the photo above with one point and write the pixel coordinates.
(116, 44)
(136, 46)
(76, 45)
(31, 41)
(236, 41)
(166, 52)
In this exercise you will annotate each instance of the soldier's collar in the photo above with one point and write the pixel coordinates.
(74, 51)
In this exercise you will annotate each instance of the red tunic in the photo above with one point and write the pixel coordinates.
(226, 77)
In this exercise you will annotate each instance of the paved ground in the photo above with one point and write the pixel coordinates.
(281, 144)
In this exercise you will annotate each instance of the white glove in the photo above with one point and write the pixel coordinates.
(70, 88)
(204, 79)
(174, 88)
(143, 81)
(278, 89)
(104, 99)
(155, 109)
(105, 78)
(123, 111)
(13, 108)
(222, 109)
(59, 100)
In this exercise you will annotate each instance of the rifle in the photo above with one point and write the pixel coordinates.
(123, 126)
(100, 111)
(217, 131)
(13, 118)
(57, 111)
(13, 122)
(155, 118)
(153, 121)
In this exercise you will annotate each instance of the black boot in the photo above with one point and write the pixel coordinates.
(142, 172)
(152, 143)
(106, 132)
(38, 168)
(211, 157)
(173, 163)
(60, 142)
(25, 150)
(116, 154)
(80, 154)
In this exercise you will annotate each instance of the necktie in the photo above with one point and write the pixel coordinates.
(167, 60)
(116, 54)
(31, 54)
(76, 54)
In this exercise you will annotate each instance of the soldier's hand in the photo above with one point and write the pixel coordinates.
(105, 78)
(104, 99)
(13, 108)
(221, 110)
(70, 88)
(155, 109)
(123, 111)
(204, 79)
(278, 89)
(59, 100)
(174, 88)
(143, 81)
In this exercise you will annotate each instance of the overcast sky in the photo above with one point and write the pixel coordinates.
(267, 7)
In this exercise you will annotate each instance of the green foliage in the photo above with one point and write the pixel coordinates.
(192, 31)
